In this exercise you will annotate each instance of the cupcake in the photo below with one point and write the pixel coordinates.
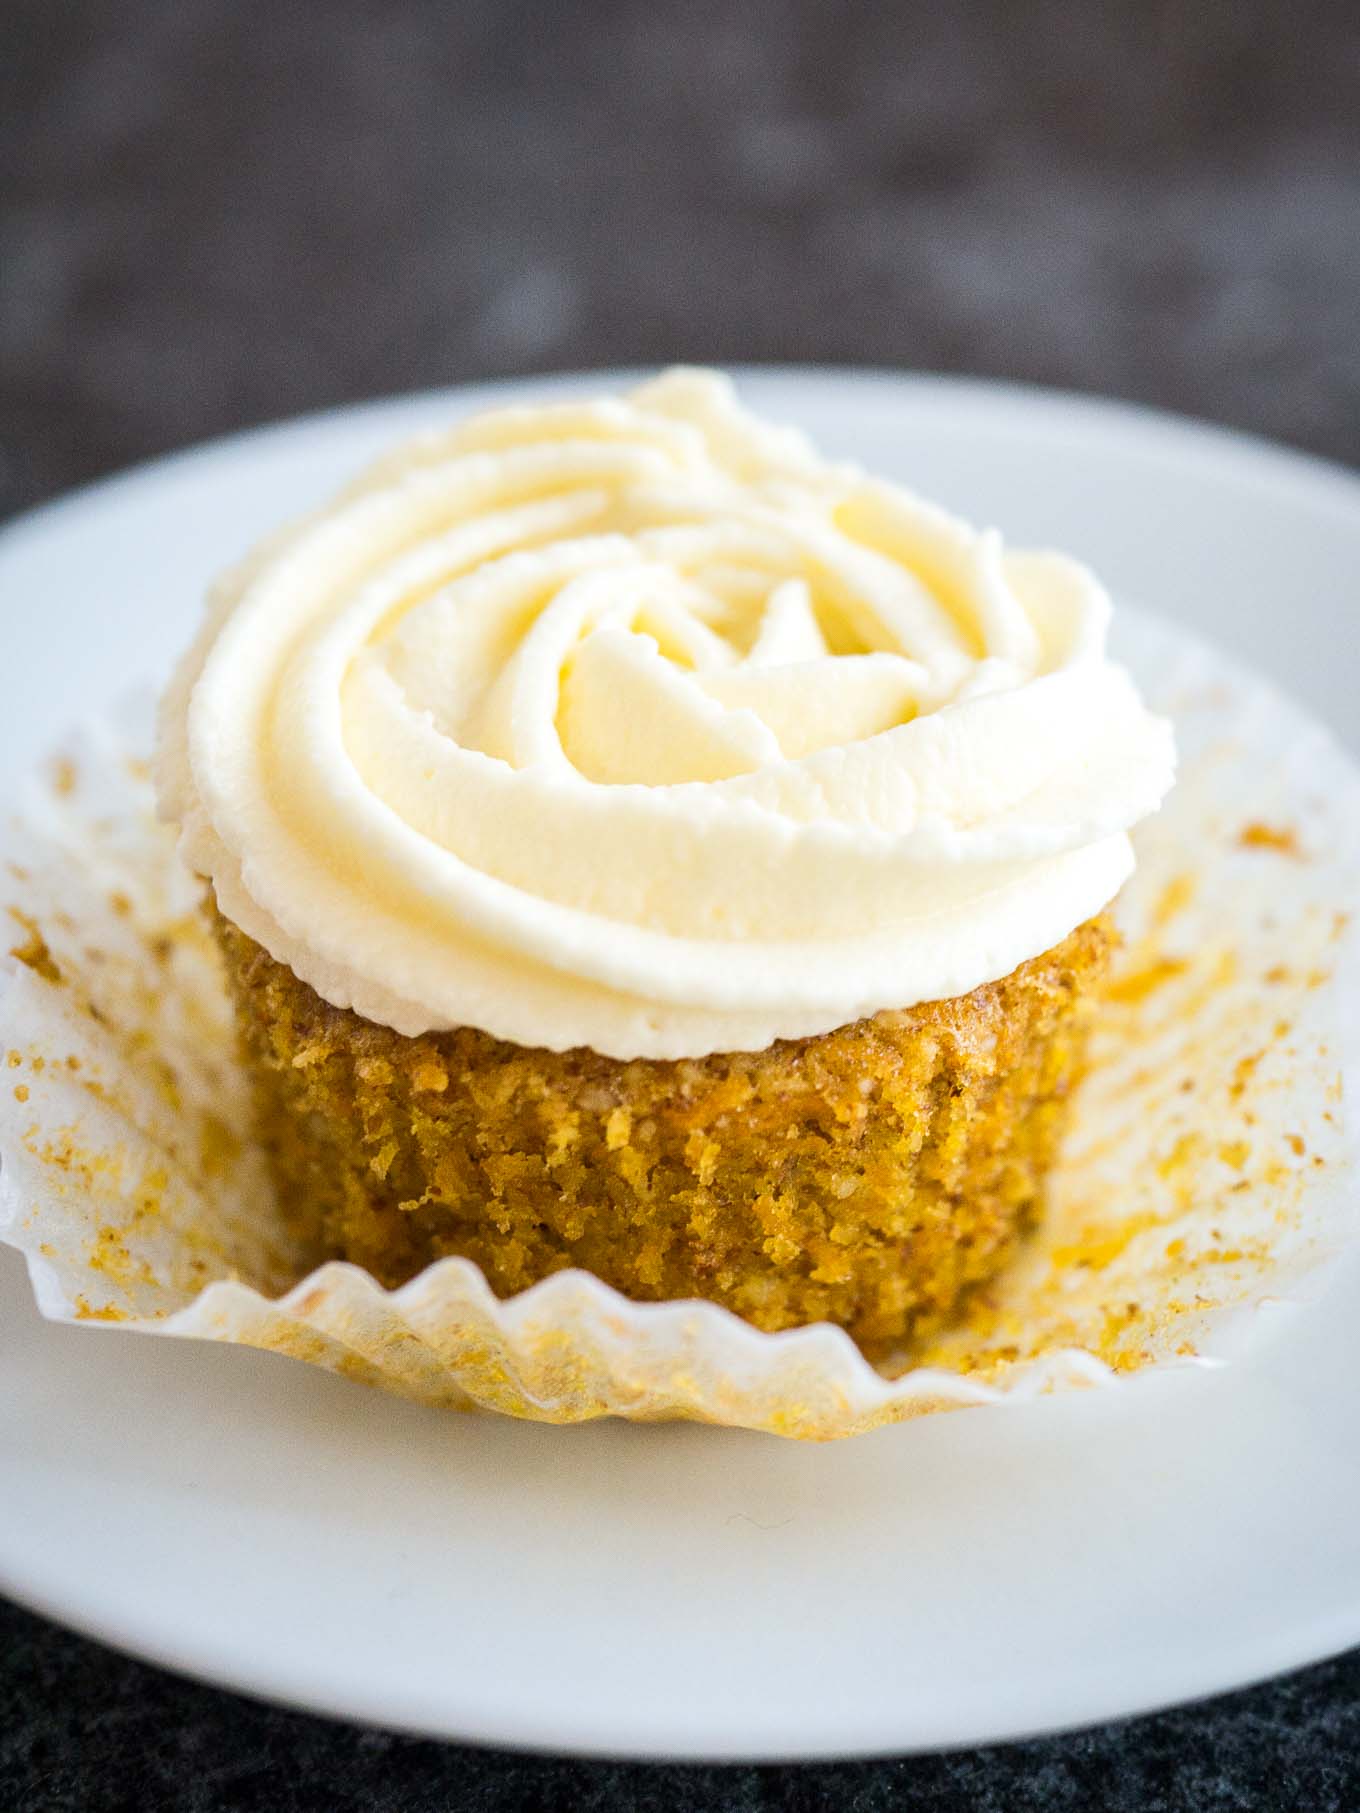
(639, 844)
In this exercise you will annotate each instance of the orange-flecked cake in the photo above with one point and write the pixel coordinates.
(640, 844)
(866, 1176)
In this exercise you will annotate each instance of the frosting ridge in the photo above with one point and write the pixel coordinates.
(635, 724)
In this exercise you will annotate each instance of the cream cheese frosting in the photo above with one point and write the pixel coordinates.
(634, 724)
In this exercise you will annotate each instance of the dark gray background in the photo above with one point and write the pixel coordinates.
(218, 212)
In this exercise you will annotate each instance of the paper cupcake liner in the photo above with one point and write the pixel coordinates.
(1207, 1173)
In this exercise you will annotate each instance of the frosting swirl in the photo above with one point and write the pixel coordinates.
(635, 724)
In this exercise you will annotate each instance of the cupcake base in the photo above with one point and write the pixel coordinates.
(868, 1177)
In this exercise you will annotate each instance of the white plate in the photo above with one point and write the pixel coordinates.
(681, 1591)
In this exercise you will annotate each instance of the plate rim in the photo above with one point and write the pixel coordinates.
(1202, 437)
(1328, 1638)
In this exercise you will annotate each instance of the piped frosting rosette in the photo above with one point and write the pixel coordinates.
(635, 724)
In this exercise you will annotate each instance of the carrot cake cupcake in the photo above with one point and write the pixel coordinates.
(638, 843)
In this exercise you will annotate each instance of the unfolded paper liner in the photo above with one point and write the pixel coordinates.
(1207, 1174)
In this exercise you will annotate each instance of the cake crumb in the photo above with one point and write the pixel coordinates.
(1260, 836)
(1174, 898)
(33, 952)
(617, 1129)
(430, 1077)
(1141, 983)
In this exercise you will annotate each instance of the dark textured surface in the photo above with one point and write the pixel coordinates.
(220, 212)
(91, 1733)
